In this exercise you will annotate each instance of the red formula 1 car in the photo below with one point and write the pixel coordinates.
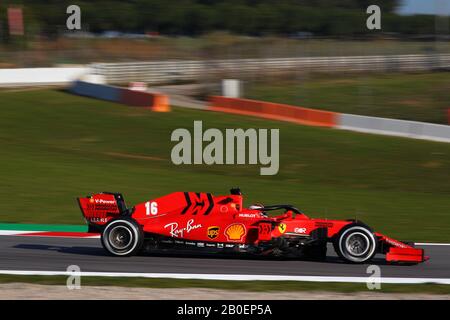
(183, 220)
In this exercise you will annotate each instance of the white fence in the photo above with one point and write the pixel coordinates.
(166, 71)
(188, 70)
(40, 76)
(393, 127)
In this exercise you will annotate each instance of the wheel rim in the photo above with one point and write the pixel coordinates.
(120, 237)
(357, 244)
(347, 251)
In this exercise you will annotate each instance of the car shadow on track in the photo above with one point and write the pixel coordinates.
(242, 256)
(91, 251)
(100, 252)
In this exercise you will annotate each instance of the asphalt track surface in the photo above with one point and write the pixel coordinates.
(56, 254)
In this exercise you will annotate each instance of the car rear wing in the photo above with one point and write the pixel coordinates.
(400, 252)
(98, 209)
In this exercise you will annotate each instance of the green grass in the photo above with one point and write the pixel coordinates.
(230, 285)
(420, 97)
(56, 146)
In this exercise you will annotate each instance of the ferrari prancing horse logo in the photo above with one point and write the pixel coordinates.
(282, 228)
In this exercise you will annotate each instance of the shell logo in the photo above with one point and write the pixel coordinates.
(91, 200)
(235, 232)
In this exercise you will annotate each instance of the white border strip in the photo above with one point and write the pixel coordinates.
(431, 244)
(393, 133)
(229, 277)
(30, 233)
(13, 232)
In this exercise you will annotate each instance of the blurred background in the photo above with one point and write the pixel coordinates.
(204, 41)
(214, 29)
(314, 54)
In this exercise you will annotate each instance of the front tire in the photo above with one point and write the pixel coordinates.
(356, 243)
(122, 237)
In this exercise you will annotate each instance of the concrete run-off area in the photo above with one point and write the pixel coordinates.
(15, 291)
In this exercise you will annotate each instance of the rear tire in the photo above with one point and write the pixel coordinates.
(355, 243)
(122, 237)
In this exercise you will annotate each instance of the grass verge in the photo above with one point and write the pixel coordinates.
(56, 147)
(230, 285)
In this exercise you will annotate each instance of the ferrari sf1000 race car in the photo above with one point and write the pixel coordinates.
(188, 220)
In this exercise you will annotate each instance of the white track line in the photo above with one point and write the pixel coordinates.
(14, 232)
(52, 236)
(30, 233)
(431, 244)
(230, 277)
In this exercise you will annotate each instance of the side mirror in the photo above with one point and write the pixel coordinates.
(256, 207)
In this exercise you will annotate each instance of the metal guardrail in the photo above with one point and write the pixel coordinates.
(187, 70)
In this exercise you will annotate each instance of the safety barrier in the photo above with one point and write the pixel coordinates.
(306, 116)
(154, 101)
(274, 111)
(98, 91)
(19, 77)
(394, 127)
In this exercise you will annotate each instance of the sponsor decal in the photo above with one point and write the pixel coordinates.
(229, 245)
(324, 224)
(300, 230)
(201, 203)
(210, 245)
(265, 231)
(282, 227)
(176, 232)
(102, 205)
(102, 201)
(190, 243)
(396, 243)
(235, 232)
(213, 232)
(220, 245)
(248, 215)
(201, 244)
(95, 219)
